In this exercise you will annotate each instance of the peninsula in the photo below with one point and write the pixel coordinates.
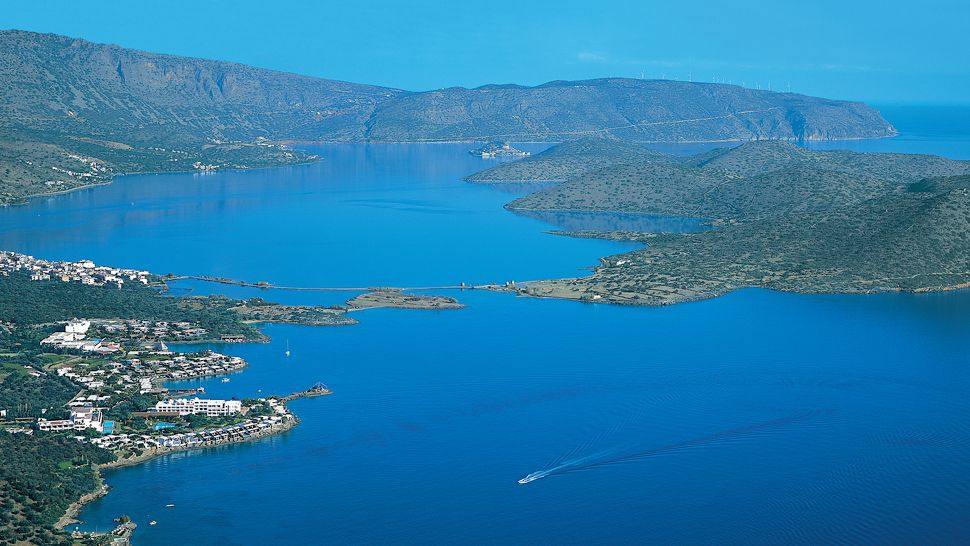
(389, 297)
(780, 217)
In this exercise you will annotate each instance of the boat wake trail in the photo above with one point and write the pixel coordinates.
(572, 464)
(617, 456)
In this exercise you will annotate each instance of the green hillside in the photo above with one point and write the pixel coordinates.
(906, 241)
(783, 217)
(756, 179)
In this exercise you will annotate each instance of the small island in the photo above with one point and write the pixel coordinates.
(494, 150)
(392, 297)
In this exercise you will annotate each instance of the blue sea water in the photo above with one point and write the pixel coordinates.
(757, 417)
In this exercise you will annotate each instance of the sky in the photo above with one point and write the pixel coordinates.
(884, 52)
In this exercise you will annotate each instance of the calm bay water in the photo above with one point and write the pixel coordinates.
(755, 417)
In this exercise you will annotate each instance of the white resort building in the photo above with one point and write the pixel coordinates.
(82, 417)
(199, 406)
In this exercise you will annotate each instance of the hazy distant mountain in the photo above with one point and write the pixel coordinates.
(60, 83)
(638, 110)
(56, 83)
(74, 113)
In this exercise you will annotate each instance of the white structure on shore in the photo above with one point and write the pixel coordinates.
(75, 337)
(199, 406)
(79, 342)
(78, 326)
(82, 417)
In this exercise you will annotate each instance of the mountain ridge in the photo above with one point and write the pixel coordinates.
(327, 109)
(74, 113)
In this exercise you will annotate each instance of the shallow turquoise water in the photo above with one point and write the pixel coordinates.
(755, 417)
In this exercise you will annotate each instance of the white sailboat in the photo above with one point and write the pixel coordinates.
(287, 353)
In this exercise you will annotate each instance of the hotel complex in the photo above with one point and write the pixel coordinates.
(199, 406)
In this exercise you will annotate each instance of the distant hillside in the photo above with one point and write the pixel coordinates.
(74, 113)
(60, 84)
(756, 179)
(762, 157)
(636, 110)
(56, 83)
